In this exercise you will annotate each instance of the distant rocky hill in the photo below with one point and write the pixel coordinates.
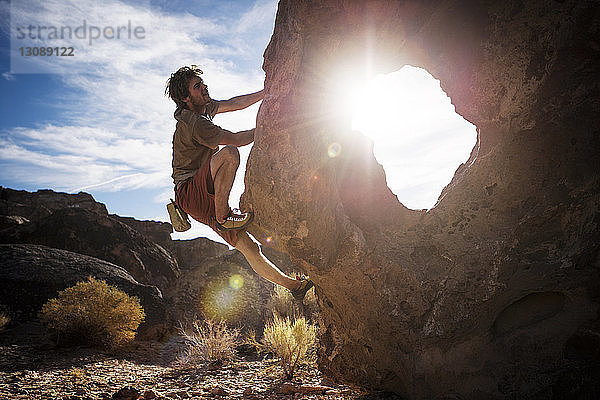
(52, 240)
(27, 206)
(78, 223)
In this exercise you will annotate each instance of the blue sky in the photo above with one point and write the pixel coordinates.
(108, 131)
(101, 124)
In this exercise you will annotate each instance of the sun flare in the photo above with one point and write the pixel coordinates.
(418, 137)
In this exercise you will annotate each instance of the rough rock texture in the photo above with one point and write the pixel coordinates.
(191, 253)
(494, 292)
(101, 236)
(27, 373)
(32, 274)
(207, 290)
(43, 202)
(155, 231)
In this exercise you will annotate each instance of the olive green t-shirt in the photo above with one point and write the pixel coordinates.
(195, 140)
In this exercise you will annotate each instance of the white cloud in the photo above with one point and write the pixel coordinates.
(133, 181)
(4, 16)
(116, 129)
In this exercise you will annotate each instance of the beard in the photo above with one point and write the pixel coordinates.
(199, 102)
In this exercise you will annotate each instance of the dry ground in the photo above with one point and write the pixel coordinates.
(31, 369)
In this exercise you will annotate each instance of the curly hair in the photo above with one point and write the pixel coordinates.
(178, 84)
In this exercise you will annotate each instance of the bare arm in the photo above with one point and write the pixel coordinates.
(239, 102)
(238, 139)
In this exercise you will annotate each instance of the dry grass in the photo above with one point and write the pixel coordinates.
(292, 341)
(4, 320)
(93, 313)
(209, 341)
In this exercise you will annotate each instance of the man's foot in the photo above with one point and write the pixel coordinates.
(300, 292)
(235, 220)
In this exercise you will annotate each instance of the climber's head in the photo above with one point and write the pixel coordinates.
(187, 89)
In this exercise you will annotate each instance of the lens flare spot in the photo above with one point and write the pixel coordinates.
(334, 150)
(219, 301)
(236, 282)
(224, 299)
(269, 240)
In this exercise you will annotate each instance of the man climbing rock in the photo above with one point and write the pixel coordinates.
(203, 174)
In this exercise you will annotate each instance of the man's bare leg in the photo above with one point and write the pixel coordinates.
(259, 263)
(223, 166)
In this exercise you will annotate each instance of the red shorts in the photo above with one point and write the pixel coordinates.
(196, 196)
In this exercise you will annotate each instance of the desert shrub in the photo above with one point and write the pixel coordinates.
(93, 313)
(77, 376)
(283, 304)
(209, 341)
(292, 340)
(4, 320)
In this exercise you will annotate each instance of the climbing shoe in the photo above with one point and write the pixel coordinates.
(305, 285)
(235, 220)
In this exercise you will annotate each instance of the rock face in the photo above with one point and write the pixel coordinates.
(157, 232)
(191, 253)
(221, 288)
(32, 274)
(493, 293)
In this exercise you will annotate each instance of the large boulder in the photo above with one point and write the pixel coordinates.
(493, 293)
(32, 274)
(101, 236)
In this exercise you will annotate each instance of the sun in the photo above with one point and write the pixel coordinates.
(418, 137)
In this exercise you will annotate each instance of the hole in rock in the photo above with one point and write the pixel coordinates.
(418, 137)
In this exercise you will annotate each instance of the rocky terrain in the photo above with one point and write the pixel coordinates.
(493, 293)
(153, 366)
(147, 370)
(49, 241)
(53, 240)
(80, 224)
